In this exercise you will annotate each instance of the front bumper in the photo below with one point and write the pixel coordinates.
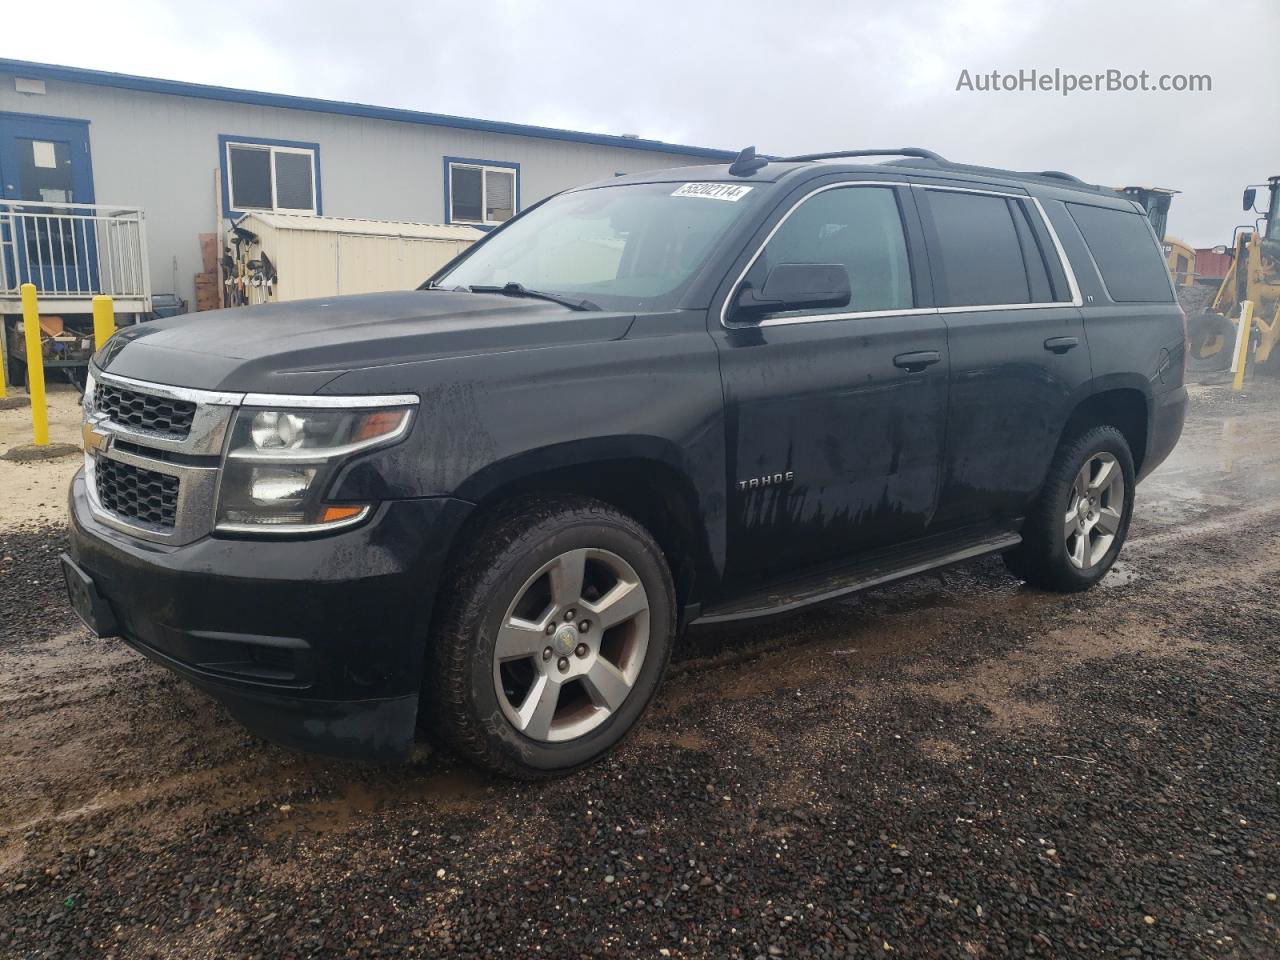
(314, 643)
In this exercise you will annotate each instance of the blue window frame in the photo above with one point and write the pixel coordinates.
(482, 193)
(261, 174)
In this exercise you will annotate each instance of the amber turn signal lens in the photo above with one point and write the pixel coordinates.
(334, 514)
(378, 424)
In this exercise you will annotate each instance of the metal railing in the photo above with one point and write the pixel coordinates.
(73, 250)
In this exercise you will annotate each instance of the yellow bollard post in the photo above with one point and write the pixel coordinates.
(1243, 337)
(104, 321)
(35, 366)
(4, 358)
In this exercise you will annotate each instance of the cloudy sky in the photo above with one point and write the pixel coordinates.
(798, 76)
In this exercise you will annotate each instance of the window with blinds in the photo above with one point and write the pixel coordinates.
(480, 193)
(265, 176)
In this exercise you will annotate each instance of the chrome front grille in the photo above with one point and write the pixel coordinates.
(137, 493)
(152, 456)
(167, 416)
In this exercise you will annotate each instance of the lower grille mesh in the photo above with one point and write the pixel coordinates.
(135, 493)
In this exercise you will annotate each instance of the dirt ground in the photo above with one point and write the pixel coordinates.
(952, 766)
(35, 491)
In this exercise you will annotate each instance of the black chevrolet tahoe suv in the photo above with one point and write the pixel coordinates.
(486, 509)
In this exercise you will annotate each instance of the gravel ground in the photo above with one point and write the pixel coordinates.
(953, 766)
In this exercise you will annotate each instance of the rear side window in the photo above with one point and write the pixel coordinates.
(1126, 253)
(979, 258)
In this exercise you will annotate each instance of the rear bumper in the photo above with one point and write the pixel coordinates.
(1166, 415)
(317, 644)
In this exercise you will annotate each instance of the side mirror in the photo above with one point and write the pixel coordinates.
(1250, 195)
(797, 286)
(1221, 249)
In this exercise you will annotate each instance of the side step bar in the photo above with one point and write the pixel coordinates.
(869, 573)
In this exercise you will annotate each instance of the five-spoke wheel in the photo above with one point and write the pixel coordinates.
(1077, 526)
(1095, 509)
(556, 628)
(571, 645)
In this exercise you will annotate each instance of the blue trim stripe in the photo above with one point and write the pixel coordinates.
(124, 81)
(448, 200)
(225, 138)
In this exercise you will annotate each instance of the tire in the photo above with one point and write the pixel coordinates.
(1211, 338)
(493, 711)
(1064, 545)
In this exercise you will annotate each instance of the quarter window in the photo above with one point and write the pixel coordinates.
(267, 177)
(480, 193)
(1125, 249)
(859, 227)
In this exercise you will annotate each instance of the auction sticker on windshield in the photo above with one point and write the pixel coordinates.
(733, 192)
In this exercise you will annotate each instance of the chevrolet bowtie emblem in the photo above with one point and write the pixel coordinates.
(94, 441)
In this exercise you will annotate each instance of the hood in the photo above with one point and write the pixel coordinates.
(298, 347)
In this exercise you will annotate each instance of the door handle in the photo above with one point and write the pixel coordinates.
(916, 361)
(1061, 344)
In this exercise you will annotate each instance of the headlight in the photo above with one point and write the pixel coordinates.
(280, 462)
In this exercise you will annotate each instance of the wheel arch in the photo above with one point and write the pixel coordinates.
(644, 477)
(1123, 403)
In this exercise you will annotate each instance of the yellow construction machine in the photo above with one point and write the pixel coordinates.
(1180, 256)
(1254, 275)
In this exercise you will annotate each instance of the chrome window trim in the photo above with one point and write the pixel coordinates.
(1077, 299)
(1074, 288)
(820, 317)
(364, 402)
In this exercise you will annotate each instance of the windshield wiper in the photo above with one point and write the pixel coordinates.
(520, 290)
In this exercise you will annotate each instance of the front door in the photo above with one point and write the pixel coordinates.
(44, 172)
(835, 418)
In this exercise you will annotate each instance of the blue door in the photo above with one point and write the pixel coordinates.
(44, 171)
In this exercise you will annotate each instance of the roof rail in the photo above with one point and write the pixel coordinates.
(748, 162)
(888, 152)
(1058, 175)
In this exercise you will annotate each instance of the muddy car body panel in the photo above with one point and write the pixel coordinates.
(780, 456)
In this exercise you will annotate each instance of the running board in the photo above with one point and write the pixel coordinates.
(928, 555)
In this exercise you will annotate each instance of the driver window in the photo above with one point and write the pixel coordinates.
(859, 227)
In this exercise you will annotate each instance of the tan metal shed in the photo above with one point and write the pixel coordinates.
(332, 256)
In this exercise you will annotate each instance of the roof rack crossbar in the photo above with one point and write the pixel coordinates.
(889, 152)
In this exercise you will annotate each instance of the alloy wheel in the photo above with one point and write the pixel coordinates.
(571, 645)
(1095, 510)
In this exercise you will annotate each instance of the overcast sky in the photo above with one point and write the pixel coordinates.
(787, 77)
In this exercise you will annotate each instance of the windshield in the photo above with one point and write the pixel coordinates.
(625, 247)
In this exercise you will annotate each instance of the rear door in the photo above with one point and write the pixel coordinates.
(834, 418)
(44, 164)
(1019, 357)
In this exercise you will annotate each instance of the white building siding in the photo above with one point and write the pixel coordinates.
(161, 151)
